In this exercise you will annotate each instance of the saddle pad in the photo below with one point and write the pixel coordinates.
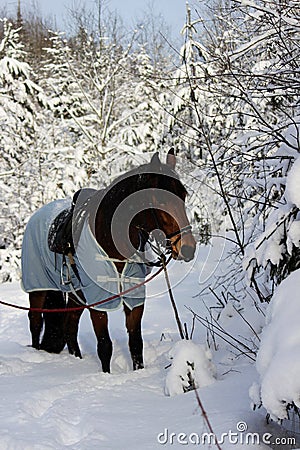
(43, 269)
(60, 236)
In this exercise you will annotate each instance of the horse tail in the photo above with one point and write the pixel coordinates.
(53, 340)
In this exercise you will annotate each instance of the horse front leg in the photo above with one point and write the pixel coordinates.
(104, 344)
(134, 328)
(36, 300)
(71, 327)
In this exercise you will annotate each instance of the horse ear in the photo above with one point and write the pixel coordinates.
(171, 158)
(155, 161)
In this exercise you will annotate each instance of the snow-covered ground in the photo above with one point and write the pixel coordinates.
(60, 402)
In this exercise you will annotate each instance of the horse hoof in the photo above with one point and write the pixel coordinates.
(138, 366)
(75, 352)
(78, 355)
(36, 347)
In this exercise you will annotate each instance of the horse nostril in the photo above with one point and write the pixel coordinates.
(187, 252)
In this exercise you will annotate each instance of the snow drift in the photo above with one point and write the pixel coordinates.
(278, 359)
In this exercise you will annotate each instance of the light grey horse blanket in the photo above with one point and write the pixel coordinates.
(43, 269)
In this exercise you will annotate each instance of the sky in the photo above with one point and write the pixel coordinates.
(173, 11)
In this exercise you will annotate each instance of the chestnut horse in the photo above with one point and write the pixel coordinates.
(147, 198)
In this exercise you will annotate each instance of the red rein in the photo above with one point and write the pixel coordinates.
(79, 308)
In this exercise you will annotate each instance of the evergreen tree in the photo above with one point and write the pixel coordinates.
(21, 99)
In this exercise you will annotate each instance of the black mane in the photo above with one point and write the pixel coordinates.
(145, 176)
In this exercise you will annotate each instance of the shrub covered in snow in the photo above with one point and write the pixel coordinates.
(191, 367)
(277, 249)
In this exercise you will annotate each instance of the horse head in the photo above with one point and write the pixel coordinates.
(167, 211)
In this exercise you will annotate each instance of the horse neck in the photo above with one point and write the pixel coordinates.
(103, 228)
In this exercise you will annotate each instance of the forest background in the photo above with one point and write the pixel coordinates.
(80, 107)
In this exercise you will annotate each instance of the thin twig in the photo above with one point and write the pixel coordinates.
(222, 333)
(247, 322)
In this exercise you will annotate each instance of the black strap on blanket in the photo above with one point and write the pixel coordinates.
(73, 266)
(60, 236)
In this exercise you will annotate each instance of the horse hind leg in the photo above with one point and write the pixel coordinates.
(36, 301)
(133, 325)
(53, 340)
(104, 344)
(71, 327)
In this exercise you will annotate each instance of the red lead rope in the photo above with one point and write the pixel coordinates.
(79, 308)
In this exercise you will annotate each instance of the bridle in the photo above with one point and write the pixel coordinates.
(167, 243)
(180, 232)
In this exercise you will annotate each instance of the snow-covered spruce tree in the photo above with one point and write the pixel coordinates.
(106, 95)
(146, 99)
(21, 102)
(100, 75)
(62, 167)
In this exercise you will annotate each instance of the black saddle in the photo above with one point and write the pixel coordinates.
(60, 236)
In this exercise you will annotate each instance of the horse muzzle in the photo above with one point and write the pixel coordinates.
(184, 252)
(184, 246)
(187, 253)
